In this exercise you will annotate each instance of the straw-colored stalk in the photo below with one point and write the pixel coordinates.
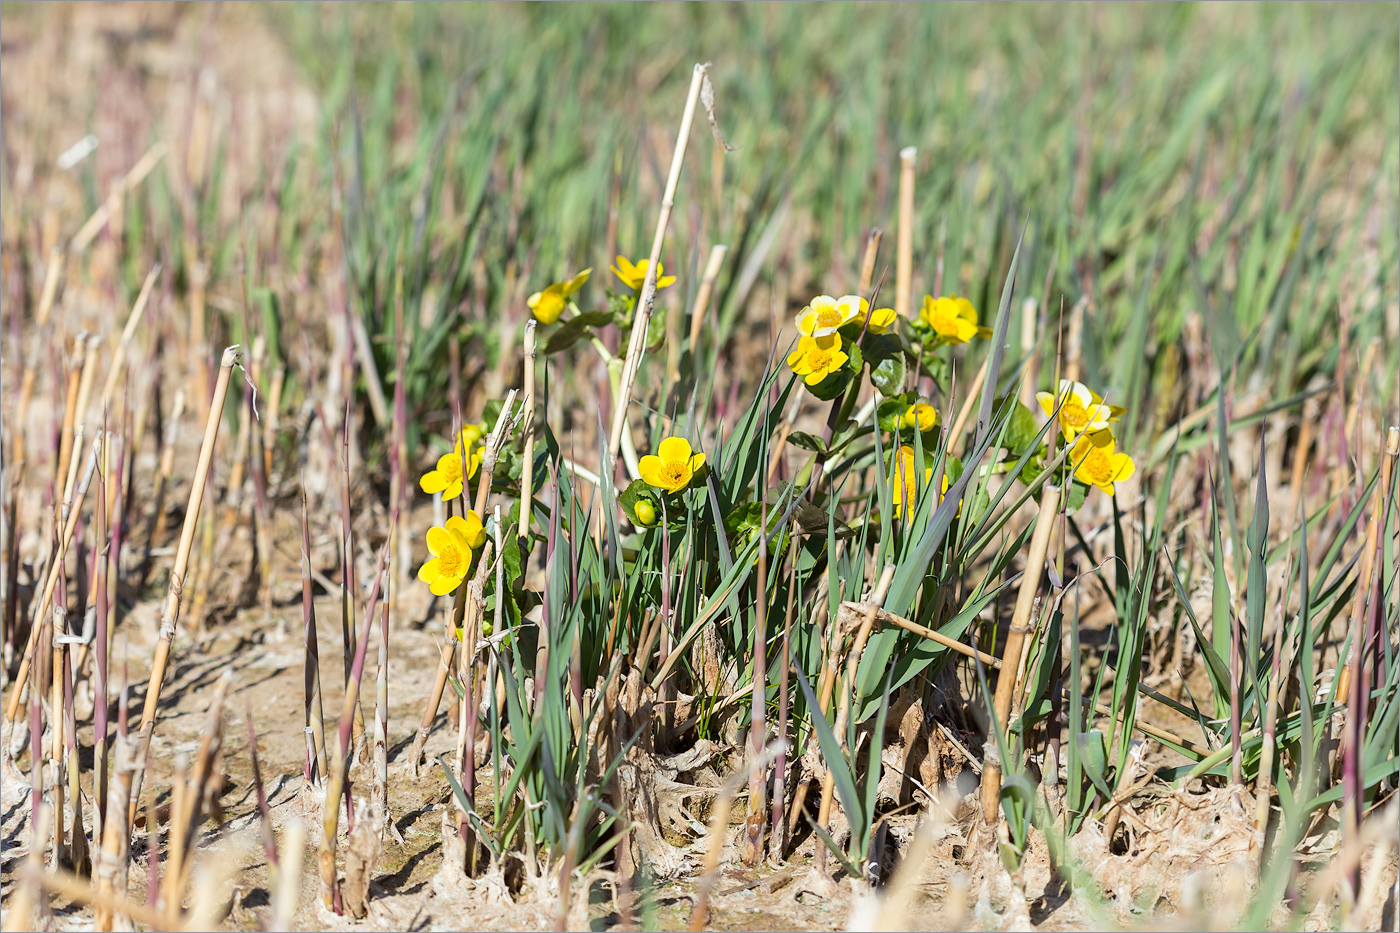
(112, 860)
(171, 613)
(904, 258)
(89, 231)
(167, 465)
(843, 712)
(642, 316)
(425, 725)
(1031, 381)
(969, 400)
(287, 892)
(20, 912)
(114, 374)
(1020, 619)
(187, 810)
(70, 404)
(315, 723)
(702, 299)
(51, 581)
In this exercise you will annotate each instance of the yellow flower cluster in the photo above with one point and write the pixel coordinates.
(454, 469)
(953, 319)
(451, 546)
(1085, 420)
(634, 274)
(905, 488)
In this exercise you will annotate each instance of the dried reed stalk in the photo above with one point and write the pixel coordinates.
(114, 374)
(171, 613)
(904, 258)
(1020, 619)
(314, 722)
(702, 296)
(642, 316)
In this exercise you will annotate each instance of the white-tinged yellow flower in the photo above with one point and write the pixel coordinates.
(1082, 410)
(824, 314)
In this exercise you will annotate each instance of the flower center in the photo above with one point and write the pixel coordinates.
(450, 562)
(452, 467)
(945, 323)
(829, 317)
(675, 473)
(818, 359)
(1098, 467)
(1073, 415)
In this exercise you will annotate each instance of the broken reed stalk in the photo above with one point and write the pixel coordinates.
(70, 522)
(1020, 619)
(171, 613)
(114, 374)
(702, 296)
(904, 258)
(642, 316)
(777, 843)
(99, 676)
(379, 754)
(340, 772)
(19, 912)
(843, 711)
(1367, 561)
(264, 811)
(315, 722)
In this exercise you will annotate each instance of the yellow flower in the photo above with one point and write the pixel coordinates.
(451, 547)
(645, 512)
(953, 319)
(881, 320)
(1082, 410)
(921, 415)
(904, 490)
(673, 470)
(633, 275)
(473, 433)
(1097, 464)
(817, 357)
(447, 477)
(547, 305)
(825, 314)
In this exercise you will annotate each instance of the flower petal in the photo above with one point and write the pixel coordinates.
(444, 585)
(697, 460)
(429, 571)
(649, 468)
(666, 281)
(1123, 466)
(1047, 402)
(674, 450)
(432, 482)
(438, 540)
(577, 282)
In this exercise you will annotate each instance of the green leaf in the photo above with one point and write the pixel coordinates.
(855, 359)
(887, 365)
(1078, 492)
(1021, 430)
(836, 762)
(656, 328)
(575, 329)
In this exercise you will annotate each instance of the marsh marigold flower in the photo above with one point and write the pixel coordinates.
(953, 319)
(824, 314)
(451, 548)
(633, 275)
(447, 477)
(675, 466)
(903, 476)
(1097, 463)
(817, 357)
(920, 415)
(1082, 410)
(547, 305)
